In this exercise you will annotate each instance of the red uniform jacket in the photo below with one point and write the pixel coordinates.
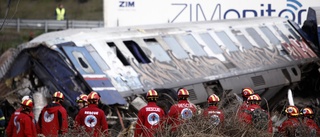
(53, 120)
(93, 119)
(246, 117)
(241, 109)
(24, 125)
(180, 112)
(149, 119)
(215, 113)
(11, 127)
(312, 125)
(292, 122)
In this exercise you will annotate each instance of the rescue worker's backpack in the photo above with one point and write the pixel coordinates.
(260, 119)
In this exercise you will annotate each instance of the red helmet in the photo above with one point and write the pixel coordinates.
(246, 92)
(254, 97)
(213, 98)
(58, 95)
(292, 111)
(27, 103)
(152, 94)
(307, 111)
(82, 98)
(93, 96)
(183, 92)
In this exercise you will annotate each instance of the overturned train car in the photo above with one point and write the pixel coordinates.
(269, 54)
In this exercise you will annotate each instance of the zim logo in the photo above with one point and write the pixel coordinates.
(126, 4)
(200, 11)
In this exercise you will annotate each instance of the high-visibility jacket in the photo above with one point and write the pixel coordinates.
(60, 13)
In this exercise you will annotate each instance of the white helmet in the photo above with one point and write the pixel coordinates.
(25, 98)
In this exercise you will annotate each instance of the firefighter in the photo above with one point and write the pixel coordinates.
(289, 127)
(23, 124)
(213, 111)
(10, 127)
(82, 101)
(254, 115)
(53, 118)
(246, 92)
(308, 121)
(92, 118)
(182, 111)
(150, 117)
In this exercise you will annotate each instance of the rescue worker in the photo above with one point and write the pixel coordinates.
(289, 127)
(308, 121)
(11, 127)
(23, 124)
(92, 118)
(150, 117)
(246, 92)
(182, 111)
(60, 12)
(213, 111)
(82, 101)
(256, 116)
(53, 118)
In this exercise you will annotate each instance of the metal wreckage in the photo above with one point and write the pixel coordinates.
(269, 54)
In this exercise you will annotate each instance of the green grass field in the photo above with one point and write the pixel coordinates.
(43, 9)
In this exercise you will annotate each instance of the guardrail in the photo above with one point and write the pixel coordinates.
(50, 24)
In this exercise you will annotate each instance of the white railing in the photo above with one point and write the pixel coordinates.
(49, 24)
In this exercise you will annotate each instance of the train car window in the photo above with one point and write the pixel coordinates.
(156, 49)
(281, 34)
(83, 62)
(244, 41)
(293, 32)
(120, 56)
(273, 39)
(137, 52)
(212, 44)
(176, 48)
(194, 45)
(256, 37)
(102, 64)
(227, 41)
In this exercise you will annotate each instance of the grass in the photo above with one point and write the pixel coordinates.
(43, 9)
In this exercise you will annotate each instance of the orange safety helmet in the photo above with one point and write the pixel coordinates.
(152, 94)
(246, 92)
(82, 98)
(307, 111)
(254, 97)
(93, 96)
(58, 95)
(213, 99)
(292, 111)
(27, 103)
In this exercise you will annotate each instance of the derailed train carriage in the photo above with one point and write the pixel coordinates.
(269, 54)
